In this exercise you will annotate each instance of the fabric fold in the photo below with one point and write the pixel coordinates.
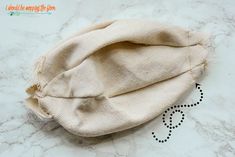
(116, 75)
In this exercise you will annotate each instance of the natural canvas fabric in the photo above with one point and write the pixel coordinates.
(116, 75)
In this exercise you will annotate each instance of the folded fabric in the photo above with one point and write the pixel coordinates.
(116, 75)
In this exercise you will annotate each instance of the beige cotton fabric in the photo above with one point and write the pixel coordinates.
(116, 75)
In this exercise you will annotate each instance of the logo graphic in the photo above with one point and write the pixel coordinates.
(16, 10)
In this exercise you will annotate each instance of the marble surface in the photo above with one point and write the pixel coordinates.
(208, 130)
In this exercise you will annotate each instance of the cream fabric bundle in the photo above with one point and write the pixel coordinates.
(116, 75)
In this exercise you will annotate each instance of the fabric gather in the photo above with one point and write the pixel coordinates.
(116, 75)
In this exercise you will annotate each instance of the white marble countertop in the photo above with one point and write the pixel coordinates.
(208, 130)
